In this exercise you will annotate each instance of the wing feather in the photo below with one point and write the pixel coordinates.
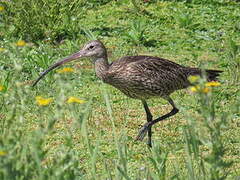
(147, 75)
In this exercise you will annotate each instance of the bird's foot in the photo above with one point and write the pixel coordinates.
(143, 131)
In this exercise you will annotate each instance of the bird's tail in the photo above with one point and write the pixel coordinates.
(211, 75)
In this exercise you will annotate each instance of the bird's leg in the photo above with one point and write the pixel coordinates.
(149, 119)
(148, 125)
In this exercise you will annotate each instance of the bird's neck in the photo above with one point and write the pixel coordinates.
(101, 67)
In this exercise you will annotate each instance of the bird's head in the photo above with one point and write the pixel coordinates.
(93, 49)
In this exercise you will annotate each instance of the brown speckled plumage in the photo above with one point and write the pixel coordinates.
(139, 77)
(143, 77)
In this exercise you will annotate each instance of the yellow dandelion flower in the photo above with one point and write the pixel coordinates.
(66, 69)
(3, 153)
(72, 99)
(2, 8)
(21, 43)
(43, 101)
(1, 87)
(193, 79)
(212, 84)
(194, 88)
(205, 90)
(199, 89)
(2, 49)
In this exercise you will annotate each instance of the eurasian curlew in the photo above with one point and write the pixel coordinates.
(139, 77)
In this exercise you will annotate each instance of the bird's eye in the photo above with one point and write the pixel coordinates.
(90, 47)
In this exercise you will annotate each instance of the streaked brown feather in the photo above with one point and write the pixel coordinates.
(145, 76)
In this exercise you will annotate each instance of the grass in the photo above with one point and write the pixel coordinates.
(95, 139)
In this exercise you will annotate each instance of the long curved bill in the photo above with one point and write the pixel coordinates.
(59, 63)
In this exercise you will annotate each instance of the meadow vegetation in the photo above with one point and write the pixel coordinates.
(72, 126)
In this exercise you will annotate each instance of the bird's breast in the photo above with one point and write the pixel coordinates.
(132, 88)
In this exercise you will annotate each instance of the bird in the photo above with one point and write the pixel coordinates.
(139, 77)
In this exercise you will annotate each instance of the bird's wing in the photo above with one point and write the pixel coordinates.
(147, 70)
(153, 65)
(145, 63)
(137, 59)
